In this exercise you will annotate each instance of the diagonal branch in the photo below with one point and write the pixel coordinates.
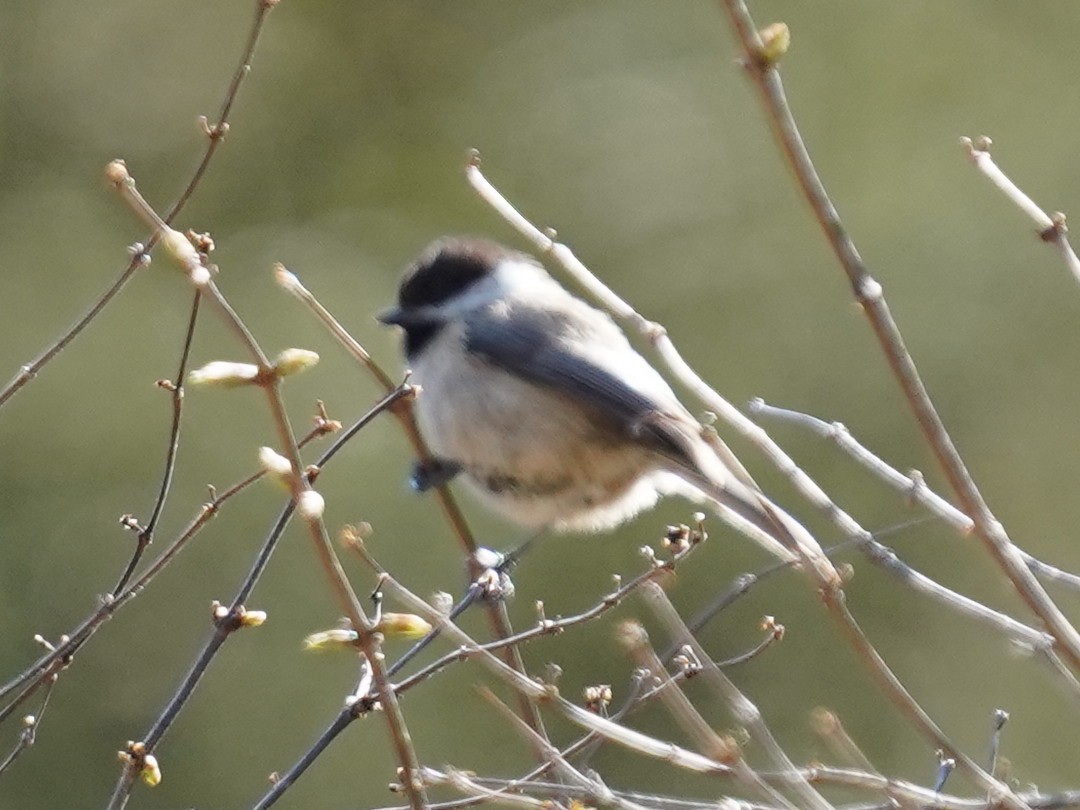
(870, 295)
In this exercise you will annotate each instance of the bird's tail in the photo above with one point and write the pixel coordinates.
(738, 500)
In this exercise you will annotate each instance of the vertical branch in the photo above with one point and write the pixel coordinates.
(145, 534)
(761, 65)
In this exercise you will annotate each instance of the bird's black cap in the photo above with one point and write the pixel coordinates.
(446, 268)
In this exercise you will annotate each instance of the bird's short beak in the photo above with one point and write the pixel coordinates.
(391, 317)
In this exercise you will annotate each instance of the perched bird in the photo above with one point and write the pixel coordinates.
(542, 405)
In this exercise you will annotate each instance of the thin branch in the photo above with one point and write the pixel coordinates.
(916, 490)
(829, 728)
(870, 295)
(910, 708)
(598, 792)
(480, 794)
(141, 253)
(285, 781)
(1051, 229)
(741, 707)
(30, 370)
(912, 486)
(544, 627)
(230, 619)
(145, 534)
(31, 724)
(216, 133)
(675, 755)
(61, 655)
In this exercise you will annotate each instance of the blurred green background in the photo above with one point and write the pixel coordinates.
(630, 128)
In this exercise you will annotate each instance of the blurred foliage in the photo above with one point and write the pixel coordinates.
(630, 128)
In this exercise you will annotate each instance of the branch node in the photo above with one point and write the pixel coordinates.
(868, 291)
(218, 131)
(130, 523)
(232, 619)
(136, 756)
(918, 486)
(1057, 228)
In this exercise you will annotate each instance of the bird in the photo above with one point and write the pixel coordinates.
(539, 403)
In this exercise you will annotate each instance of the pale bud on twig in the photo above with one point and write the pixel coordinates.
(287, 280)
(403, 625)
(116, 172)
(597, 698)
(339, 637)
(352, 537)
(252, 618)
(135, 754)
(293, 361)
(150, 771)
(310, 505)
(775, 41)
(225, 374)
(199, 276)
(275, 465)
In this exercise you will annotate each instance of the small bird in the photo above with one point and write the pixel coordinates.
(542, 405)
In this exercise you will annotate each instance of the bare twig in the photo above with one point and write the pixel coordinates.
(141, 253)
(870, 295)
(912, 486)
(1051, 228)
(31, 724)
(741, 707)
(828, 726)
(915, 489)
(62, 653)
(145, 534)
(230, 619)
(916, 715)
(598, 792)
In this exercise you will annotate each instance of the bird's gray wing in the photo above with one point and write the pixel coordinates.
(528, 345)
